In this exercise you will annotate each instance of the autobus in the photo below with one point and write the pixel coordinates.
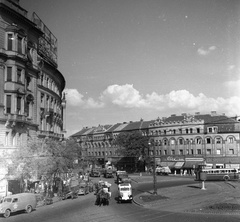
(217, 174)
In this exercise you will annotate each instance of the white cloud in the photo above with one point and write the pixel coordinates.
(203, 52)
(126, 96)
(74, 98)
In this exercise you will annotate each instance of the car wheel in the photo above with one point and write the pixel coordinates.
(226, 178)
(29, 209)
(7, 213)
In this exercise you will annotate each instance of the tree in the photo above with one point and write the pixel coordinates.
(134, 146)
(47, 157)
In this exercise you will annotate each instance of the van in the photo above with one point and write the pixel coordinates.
(125, 192)
(18, 202)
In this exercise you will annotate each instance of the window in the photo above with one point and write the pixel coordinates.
(230, 139)
(165, 152)
(180, 131)
(198, 130)
(173, 152)
(9, 73)
(208, 151)
(199, 151)
(19, 99)
(218, 140)
(172, 141)
(186, 131)
(208, 140)
(10, 41)
(8, 104)
(165, 142)
(19, 75)
(187, 151)
(180, 141)
(231, 151)
(218, 151)
(191, 130)
(19, 44)
(210, 130)
(181, 152)
(198, 141)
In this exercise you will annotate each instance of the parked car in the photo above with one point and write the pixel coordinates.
(18, 202)
(83, 188)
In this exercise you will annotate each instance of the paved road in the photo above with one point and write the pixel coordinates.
(83, 209)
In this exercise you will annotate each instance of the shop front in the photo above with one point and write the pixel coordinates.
(181, 165)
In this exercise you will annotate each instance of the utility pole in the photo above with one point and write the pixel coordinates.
(154, 168)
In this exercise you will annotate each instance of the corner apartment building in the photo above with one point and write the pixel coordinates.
(181, 141)
(32, 104)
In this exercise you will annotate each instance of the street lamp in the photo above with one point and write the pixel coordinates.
(154, 167)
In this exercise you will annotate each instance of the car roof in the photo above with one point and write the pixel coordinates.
(124, 185)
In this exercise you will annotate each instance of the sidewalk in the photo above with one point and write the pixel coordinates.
(188, 198)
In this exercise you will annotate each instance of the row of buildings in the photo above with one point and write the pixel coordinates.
(180, 141)
(32, 103)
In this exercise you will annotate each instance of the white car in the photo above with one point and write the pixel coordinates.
(124, 192)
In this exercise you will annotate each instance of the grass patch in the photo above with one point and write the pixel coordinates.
(149, 198)
(224, 207)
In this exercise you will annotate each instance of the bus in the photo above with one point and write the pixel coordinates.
(217, 174)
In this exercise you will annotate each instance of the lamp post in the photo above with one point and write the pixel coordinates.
(154, 168)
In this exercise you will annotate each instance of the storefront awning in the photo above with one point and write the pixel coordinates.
(178, 165)
(169, 164)
(191, 164)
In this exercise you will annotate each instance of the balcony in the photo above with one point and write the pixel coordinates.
(50, 134)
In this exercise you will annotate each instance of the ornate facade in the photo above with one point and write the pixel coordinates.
(32, 103)
(180, 142)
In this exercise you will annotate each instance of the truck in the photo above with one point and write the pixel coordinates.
(108, 173)
(95, 172)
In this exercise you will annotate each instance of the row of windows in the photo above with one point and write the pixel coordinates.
(16, 42)
(13, 139)
(16, 104)
(50, 102)
(191, 152)
(181, 141)
(15, 74)
(165, 152)
(47, 82)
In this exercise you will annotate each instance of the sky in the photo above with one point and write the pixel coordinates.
(126, 60)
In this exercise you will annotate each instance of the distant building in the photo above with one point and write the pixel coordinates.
(181, 141)
(32, 104)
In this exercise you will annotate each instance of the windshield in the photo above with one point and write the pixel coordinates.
(124, 189)
(8, 200)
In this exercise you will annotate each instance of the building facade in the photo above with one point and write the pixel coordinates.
(32, 104)
(180, 142)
